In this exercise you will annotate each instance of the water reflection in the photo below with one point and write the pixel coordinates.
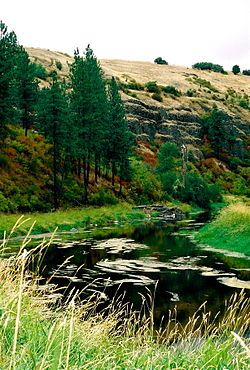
(149, 257)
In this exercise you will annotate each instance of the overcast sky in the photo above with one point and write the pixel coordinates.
(181, 31)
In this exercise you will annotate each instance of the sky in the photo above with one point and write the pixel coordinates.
(182, 32)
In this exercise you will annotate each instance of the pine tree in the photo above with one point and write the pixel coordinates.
(53, 123)
(89, 108)
(27, 88)
(120, 138)
(8, 50)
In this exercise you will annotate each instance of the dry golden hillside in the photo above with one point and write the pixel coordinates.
(225, 90)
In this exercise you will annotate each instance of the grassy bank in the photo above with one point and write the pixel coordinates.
(74, 336)
(230, 230)
(65, 220)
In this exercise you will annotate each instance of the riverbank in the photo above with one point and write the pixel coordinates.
(230, 230)
(66, 220)
(74, 336)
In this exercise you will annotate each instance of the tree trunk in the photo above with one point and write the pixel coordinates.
(85, 180)
(113, 173)
(55, 180)
(96, 168)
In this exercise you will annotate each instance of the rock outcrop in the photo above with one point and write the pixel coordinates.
(180, 125)
(166, 214)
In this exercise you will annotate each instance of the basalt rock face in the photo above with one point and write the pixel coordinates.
(151, 122)
(180, 125)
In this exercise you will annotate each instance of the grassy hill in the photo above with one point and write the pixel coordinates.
(226, 91)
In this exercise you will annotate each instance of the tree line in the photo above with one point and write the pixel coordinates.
(83, 118)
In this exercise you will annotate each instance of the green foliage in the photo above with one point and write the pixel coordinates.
(246, 72)
(236, 69)
(39, 71)
(53, 122)
(171, 90)
(244, 103)
(120, 143)
(157, 96)
(209, 66)
(204, 83)
(159, 60)
(145, 186)
(9, 51)
(215, 125)
(194, 189)
(168, 157)
(102, 198)
(133, 85)
(191, 92)
(59, 65)
(152, 87)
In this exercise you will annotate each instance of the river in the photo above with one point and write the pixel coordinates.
(145, 259)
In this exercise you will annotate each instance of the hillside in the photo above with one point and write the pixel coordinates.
(207, 111)
(175, 118)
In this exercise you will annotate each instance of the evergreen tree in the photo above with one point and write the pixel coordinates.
(53, 122)
(8, 50)
(89, 108)
(27, 88)
(215, 126)
(120, 138)
(236, 69)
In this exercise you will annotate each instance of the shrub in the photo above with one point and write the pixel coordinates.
(157, 96)
(103, 197)
(191, 92)
(159, 60)
(209, 66)
(204, 83)
(53, 74)
(59, 65)
(133, 85)
(246, 72)
(244, 103)
(145, 185)
(236, 69)
(171, 90)
(39, 71)
(195, 191)
(152, 86)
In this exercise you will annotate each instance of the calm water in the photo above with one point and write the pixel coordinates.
(149, 258)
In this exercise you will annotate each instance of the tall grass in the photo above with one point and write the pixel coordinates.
(39, 332)
(230, 230)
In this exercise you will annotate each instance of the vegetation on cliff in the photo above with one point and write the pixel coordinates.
(66, 140)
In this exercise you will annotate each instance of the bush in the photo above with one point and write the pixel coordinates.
(246, 72)
(159, 60)
(157, 96)
(209, 66)
(171, 90)
(236, 69)
(53, 74)
(133, 85)
(145, 185)
(59, 65)
(244, 103)
(102, 198)
(204, 83)
(39, 71)
(191, 92)
(152, 86)
(195, 191)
